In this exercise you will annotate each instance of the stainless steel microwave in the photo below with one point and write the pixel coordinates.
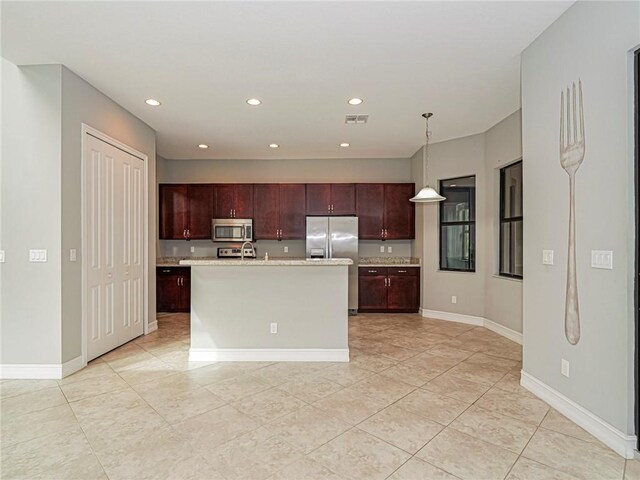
(232, 230)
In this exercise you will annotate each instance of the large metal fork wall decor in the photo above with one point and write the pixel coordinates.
(572, 147)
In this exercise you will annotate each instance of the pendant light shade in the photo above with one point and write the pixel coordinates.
(427, 194)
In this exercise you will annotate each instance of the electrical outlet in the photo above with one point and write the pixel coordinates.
(389, 249)
(382, 249)
(565, 367)
(73, 255)
(286, 249)
(192, 249)
(1, 256)
(454, 299)
(547, 257)
(37, 256)
(274, 327)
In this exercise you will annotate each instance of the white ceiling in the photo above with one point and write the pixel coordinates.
(304, 60)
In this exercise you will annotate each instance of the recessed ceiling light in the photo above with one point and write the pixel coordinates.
(274, 145)
(253, 102)
(153, 102)
(355, 101)
(204, 146)
(344, 144)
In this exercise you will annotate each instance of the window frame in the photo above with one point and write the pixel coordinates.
(471, 223)
(503, 220)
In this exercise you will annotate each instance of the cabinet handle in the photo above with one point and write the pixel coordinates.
(388, 281)
(166, 271)
(184, 233)
(178, 281)
(373, 271)
(188, 233)
(402, 271)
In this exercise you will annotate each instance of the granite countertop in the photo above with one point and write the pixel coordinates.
(276, 262)
(389, 262)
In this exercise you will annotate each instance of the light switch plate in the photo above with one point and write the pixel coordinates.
(547, 257)
(454, 299)
(37, 256)
(73, 255)
(274, 327)
(564, 367)
(382, 249)
(286, 249)
(389, 249)
(192, 249)
(602, 259)
(1, 256)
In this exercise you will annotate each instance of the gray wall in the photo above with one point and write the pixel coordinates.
(591, 41)
(42, 111)
(503, 296)
(482, 293)
(30, 214)
(303, 170)
(82, 103)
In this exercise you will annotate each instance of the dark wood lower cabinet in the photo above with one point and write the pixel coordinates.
(389, 289)
(173, 289)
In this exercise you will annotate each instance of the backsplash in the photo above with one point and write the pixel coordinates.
(297, 248)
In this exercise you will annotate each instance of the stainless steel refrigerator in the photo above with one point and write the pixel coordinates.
(336, 237)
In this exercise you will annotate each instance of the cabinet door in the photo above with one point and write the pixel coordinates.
(243, 207)
(265, 218)
(185, 292)
(224, 201)
(173, 211)
(343, 199)
(200, 211)
(370, 210)
(399, 212)
(372, 293)
(318, 198)
(292, 212)
(403, 293)
(167, 292)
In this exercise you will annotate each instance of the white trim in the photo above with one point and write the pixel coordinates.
(73, 365)
(153, 326)
(619, 442)
(88, 130)
(46, 371)
(502, 330)
(269, 354)
(471, 320)
(453, 317)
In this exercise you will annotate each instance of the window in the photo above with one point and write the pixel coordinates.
(511, 220)
(458, 224)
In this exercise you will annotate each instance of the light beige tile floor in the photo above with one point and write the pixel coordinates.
(421, 399)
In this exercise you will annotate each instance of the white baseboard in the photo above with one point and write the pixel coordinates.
(504, 331)
(152, 327)
(48, 371)
(619, 442)
(472, 320)
(453, 317)
(72, 366)
(269, 355)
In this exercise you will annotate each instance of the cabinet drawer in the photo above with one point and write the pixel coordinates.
(372, 271)
(173, 271)
(404, 271)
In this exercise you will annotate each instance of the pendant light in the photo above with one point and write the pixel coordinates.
(426, 194)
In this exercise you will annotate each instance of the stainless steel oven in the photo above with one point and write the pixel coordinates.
(232, 230)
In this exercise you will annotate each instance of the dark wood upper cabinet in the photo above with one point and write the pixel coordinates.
(318, 199)
(292, 211)
(279, 212)
(266, 211)
(331, 199)
(233, 200)
(384, 211)
(200, 199)
(399, 212)
(370, 210)
(174, 207)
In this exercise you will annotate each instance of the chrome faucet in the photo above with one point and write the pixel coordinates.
(253, 250)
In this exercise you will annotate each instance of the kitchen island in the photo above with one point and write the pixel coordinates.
(269, 310)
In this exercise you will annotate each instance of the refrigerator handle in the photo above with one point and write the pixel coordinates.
(329, 240)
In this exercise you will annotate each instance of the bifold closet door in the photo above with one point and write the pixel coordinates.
(114, 188)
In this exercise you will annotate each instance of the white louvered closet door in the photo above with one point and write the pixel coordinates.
(114, 196)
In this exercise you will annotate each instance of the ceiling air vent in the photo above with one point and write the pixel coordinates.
(356, 119)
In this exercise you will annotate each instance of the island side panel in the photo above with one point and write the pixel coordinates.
(232, 308)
